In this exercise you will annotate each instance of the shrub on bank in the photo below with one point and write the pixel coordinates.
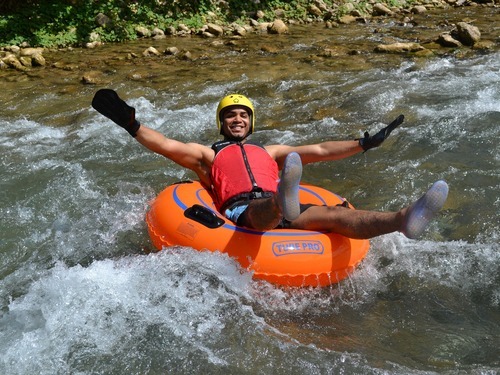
(59, 23)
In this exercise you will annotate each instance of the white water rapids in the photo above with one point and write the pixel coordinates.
(79, 294)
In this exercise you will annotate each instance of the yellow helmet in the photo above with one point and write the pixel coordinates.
(232, 100)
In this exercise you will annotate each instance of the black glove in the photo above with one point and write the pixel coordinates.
(368, 142)
(108, 103)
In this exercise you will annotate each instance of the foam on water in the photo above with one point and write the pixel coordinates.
(109, 306)
(153, 309)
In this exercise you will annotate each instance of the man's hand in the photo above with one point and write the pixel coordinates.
(108, 103)
(368, 142)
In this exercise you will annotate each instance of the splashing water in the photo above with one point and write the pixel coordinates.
(79, 294)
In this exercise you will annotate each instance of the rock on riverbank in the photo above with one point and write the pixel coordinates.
(21, 58)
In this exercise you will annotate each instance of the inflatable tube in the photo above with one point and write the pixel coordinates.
(184, 214)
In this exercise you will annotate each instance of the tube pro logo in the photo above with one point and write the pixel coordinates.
(297, 247)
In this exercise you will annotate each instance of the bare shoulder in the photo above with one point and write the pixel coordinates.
(204, 153)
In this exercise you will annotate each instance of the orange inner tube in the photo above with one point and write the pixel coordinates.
(184, 214)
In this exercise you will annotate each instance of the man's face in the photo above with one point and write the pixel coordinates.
(236, 123)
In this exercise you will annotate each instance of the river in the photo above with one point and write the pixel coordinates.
(82, 292)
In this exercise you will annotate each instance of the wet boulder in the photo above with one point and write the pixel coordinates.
(347, 19)
(467, 34)
(30, 51)
(214, 29)
(142, 32)
(181, 28)
(262, 28)
(239, 30)
(13, 62)
(446, 40)
(170, 30)
(186, 55)
(418, 9)
(25, 61)
(14, 49)
(158, 33)
(277, 27)
(38, 60)
(172, 51)
(91, 45)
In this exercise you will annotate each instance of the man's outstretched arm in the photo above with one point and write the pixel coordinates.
(333, 150)
(193, 156)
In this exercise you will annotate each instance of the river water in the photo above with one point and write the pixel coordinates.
(81, 291)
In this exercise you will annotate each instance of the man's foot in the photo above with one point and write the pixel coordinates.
(420, 213)
(288, 188)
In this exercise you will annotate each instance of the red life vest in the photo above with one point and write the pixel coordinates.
(242, 171)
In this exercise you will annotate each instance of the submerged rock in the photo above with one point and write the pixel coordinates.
(171, 51)
(399, 48)
(92, 77)
(151, 51)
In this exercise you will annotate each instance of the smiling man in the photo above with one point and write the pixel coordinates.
(237, 121)
(243, 176)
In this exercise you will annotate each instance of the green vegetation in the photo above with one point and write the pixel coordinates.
(57, 23)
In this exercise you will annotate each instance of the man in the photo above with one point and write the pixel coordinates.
(243, 177)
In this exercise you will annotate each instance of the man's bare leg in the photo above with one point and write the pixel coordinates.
(263, 214)
(348, 222)
(360, 224)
